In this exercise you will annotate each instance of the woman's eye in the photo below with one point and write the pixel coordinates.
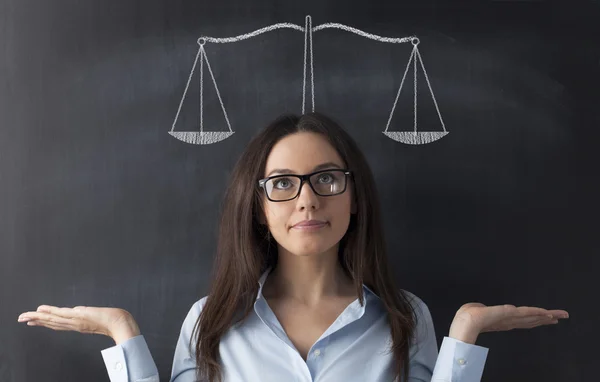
(278, 181)
(326, 175)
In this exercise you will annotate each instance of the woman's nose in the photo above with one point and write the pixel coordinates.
(306, 189)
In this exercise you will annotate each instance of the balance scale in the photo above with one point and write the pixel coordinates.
(208, 137)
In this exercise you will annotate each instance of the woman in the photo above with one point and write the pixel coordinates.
(301, 288)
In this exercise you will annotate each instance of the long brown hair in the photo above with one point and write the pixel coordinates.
(245, 250)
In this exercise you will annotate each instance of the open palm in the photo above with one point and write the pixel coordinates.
(83, 319)
(506, 317)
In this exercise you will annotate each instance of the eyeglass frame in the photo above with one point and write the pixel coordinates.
(305, 177)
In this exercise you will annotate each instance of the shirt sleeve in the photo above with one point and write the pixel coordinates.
(457, 361)
(131, 361)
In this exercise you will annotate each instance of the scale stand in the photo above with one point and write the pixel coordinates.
(207, 137)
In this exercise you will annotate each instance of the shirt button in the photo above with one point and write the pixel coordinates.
(317, 352)
(118, 366)
(462, 361)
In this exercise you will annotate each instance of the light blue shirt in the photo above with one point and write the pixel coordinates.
(356, 347)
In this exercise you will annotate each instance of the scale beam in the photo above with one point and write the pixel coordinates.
(202, 137)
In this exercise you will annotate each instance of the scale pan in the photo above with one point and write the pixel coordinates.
(201, 137)
(415, 138)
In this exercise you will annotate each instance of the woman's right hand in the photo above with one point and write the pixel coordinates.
(112, 322)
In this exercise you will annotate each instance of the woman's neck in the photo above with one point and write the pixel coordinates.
(308, 280)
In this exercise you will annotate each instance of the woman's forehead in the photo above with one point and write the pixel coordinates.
(302, 153)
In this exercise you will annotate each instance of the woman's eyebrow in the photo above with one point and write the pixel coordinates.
(319, 167)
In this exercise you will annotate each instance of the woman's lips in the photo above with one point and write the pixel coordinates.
(309, 228)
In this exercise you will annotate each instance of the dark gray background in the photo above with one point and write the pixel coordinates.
(100, 206)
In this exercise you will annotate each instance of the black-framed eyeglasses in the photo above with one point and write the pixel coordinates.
(280, 188)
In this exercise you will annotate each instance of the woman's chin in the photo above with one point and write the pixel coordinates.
(314, 248)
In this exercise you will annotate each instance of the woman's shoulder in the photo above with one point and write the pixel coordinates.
(413, 299)
(419, 306)
(198, 306)
(192, 316)
(424, 327)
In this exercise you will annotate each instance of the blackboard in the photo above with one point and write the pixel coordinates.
(100, 206)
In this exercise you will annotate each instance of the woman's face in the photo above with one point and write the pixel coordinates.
(301, 153)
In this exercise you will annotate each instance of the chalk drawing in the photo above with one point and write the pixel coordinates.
(203, 137)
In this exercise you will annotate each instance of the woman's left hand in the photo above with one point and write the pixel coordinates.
(480, 318)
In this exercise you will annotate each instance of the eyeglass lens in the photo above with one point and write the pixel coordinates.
(325, 183)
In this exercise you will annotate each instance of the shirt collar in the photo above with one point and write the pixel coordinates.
(263, 278)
